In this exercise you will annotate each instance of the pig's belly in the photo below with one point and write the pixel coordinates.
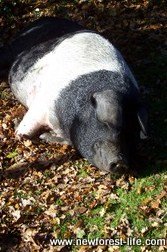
(26, 91)
(39, 98)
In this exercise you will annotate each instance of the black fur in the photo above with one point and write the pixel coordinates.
(77, 114)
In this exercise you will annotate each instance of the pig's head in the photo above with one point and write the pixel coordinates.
(106, 130)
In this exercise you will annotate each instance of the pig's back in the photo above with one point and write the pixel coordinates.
(49, 68)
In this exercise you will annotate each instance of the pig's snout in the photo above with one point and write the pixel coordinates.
(107, 157)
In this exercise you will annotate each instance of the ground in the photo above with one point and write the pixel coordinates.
(49, 191)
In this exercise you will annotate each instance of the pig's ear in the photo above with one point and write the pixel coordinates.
(142, 116)
(107, 107)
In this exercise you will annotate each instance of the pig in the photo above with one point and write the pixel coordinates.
(79, 86)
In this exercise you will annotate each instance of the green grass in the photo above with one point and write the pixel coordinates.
(131, 201)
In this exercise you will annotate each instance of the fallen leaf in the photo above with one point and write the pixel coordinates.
(81, 210)
(155, 204)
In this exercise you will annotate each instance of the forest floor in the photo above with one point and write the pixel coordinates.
(48, 191)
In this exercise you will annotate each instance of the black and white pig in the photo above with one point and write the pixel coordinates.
(80, 87)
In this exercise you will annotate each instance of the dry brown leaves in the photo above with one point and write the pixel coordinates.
(47, 187)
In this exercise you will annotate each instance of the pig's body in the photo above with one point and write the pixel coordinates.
(39, 77)
(79, 86)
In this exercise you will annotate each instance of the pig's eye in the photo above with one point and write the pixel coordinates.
(93, 101)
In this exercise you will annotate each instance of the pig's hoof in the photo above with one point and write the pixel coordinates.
(21, 135)
(50, 137)
(24, 131)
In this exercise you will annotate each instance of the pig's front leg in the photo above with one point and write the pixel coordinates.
(30, 124)
(55, 135)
